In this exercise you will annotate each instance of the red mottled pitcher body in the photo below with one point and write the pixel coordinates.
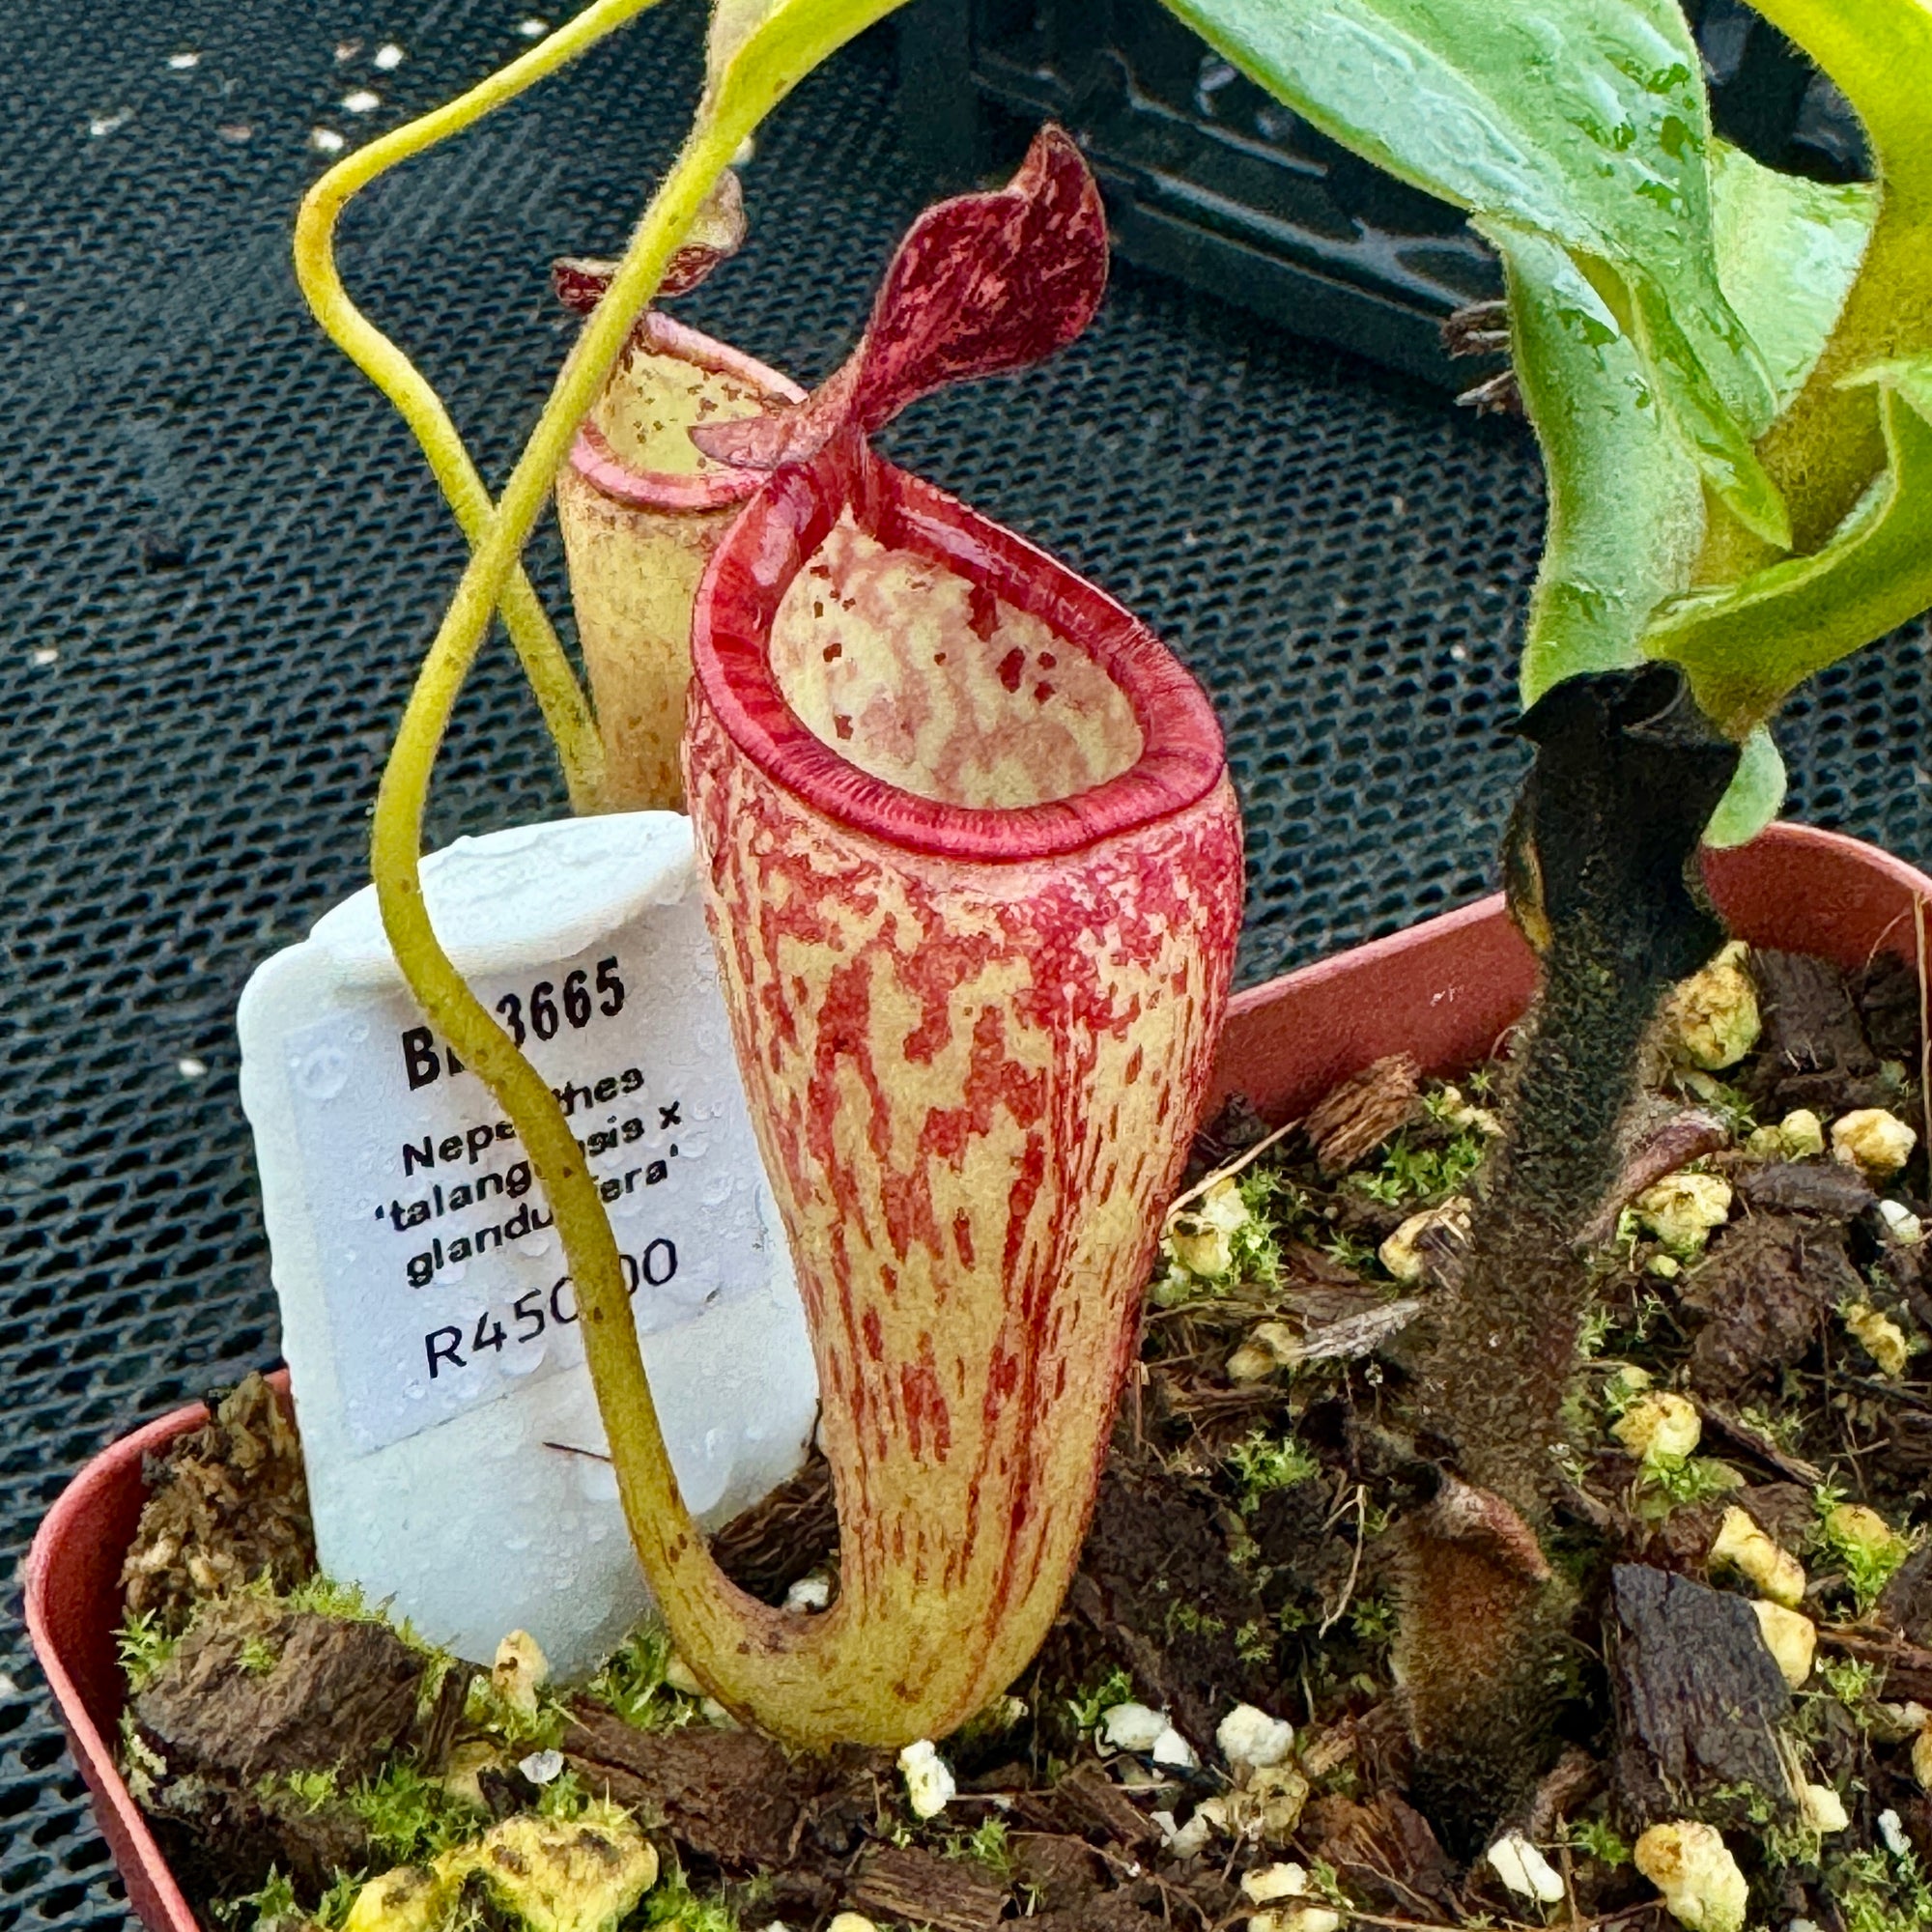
(973, 869)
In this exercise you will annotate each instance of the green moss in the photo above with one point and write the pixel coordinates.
(1868, 1565)
(346, 1603)
(520, 1731)
(986, 1845)
(1263, 1462)
(321, 1596)
(632, 1683)
(411, 1818)
(259, 1656)
(1325, 1882)
(672, 1902)
(1192, 1620)
(1597, 1839)
(1373, 1619)
(1598, 1324)
(1853, 1683)
(140, 1762)
(1345, 1251)
(1273, 1204)
(331, 1914)
(563, 1797)
(312, 1789)
(1878, 1890)
(1254, 1642)
(1670, 1483)
(1783, 1427)
(144, 1649)
(1728, 1102)
(1209, 1258)
(1115, 1687)
(275, 1908)
(1405, 1175)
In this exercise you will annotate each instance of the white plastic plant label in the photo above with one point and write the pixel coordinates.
(455, 1455)
(444, 1282)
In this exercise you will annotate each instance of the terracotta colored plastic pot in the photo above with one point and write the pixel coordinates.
(73, 1611)
(637, 538)
(1448, 989)
(1443, 991)
(974, 867)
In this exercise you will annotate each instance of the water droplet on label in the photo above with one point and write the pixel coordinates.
(596, 1480)
(521, 1361)
(718, 1189)
(323, 1073)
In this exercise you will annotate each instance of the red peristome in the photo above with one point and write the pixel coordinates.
(1182, 759)
(982, 283)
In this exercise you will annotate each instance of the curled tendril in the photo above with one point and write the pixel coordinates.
(565, 710)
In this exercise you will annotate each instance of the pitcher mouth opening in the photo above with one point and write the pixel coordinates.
(1023, 714)
(718, 381)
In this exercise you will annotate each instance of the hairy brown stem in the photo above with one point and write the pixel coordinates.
(1600, 863)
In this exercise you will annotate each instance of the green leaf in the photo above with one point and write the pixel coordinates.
(733, 22)
(1720, 446)
(759, 50)
(1910, 378)
(1626, 505)
(1746, 646)
(1584, 119)
(1625, 508)
(1880, 54)
(1788, 250)
(1755, 796)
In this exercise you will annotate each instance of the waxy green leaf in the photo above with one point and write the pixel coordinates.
(1748, 647)
(1582, 120)
(1788, 250)
(1756, 794)
(1625, 506)
(1626, 510)
(1880, 54)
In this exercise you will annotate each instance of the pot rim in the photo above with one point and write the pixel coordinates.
(1468, 974)
(593, 459)
(1181, 757)
(153, 1890)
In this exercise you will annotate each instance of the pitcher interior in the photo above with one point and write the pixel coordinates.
(654, 401)
(932, 682)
